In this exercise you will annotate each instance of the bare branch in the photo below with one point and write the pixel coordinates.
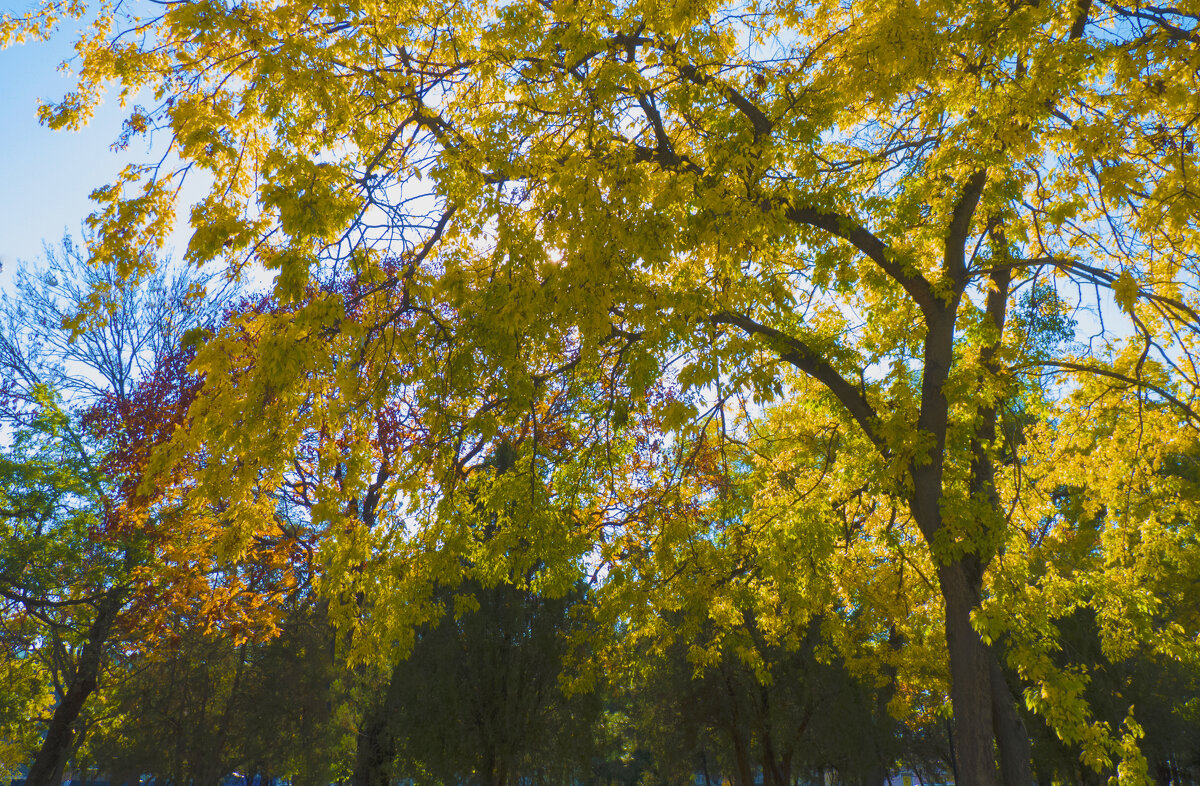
(1192, 416)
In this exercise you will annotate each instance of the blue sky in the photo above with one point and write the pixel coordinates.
(45, 176)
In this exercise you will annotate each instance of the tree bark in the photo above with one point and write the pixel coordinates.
(776, 771)
(51, 759)
(970, 681)
(213, 767)
(1012, 739)
(960, 577)
(744, 771)
(879, 770)
(375, 749)
(704, 768)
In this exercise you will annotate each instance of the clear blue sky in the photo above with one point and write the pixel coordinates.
(46, 176)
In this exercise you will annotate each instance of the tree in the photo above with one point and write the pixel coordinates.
(698, 192)
(1095, 585)
(480, 698)
(55, 579)
(787, 713)
(77, 566)
(204, 705)
(798, 588)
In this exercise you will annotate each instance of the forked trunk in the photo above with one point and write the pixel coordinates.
(971, 691)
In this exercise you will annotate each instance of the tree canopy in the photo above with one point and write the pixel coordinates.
(959, 239)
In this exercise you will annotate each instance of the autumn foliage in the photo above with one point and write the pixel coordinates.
(823, 341)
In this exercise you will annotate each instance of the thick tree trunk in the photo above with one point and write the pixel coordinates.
(961, 577)
(1012, 739)
(744, 775)
(877, 775)
(375, 750)
(970, 681)
(48, 767)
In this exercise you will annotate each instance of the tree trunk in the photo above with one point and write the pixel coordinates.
(774, 767)
(883, 740)
(375, 749)
(970, 681)
(739, 735)
(741, 754)
(51, 759)
(704, 767)
(961, 577)
(499, 773)
(213, 767)
(1012, 740)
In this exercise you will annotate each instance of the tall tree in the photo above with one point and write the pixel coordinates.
(81, 410)
(480, 698)
(203, 704)
(60, 585)
(700, 191)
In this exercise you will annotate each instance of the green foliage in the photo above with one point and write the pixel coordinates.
(481, 697)
(204, 706)
(52, 568)
(49, 508)
(789, 713)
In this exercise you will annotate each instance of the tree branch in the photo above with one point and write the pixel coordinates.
(800, 355)
(758, 119)
(1101, 277)
(1191, 414)
(960, 226)
(843, 226)
(32, 602)
(1083, 8)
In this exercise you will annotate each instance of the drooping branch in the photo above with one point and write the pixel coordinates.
(846, 228)
(1091, 274)
(1159, 17)
(804, 358)
(31, 601)
(413, 260)
(1190, 414)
